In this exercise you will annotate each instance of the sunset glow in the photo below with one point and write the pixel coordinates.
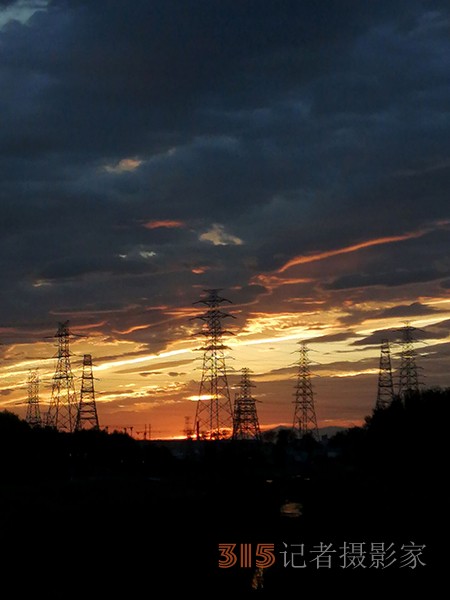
(148, 158)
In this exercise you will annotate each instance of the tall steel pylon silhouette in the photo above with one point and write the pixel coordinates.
(87, 417)
(62, 412)
(188, 431)
(33, 416)
(385, 393)
(305, 421)
(214, 413)
(408, 381)
(245, 421)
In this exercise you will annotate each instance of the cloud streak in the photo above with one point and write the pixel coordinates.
(301, 260)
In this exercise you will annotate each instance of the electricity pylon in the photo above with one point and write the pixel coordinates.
(408, 381)
(63, 409)
(305, 421)
(214, 413)
(245, 422)
(33, 416)
(87, 417)
(385, 393)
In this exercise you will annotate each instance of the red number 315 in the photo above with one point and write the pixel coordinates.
(264, 555)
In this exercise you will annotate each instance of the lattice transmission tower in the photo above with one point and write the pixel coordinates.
(408, 381)
(63, 409)
(214, 413)
(305, 421)
(245, 421)
(188, 431)
(87, 417)
(385, 393)
(33, 416)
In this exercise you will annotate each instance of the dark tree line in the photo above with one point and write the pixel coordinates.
(44, 453)
(145, 509)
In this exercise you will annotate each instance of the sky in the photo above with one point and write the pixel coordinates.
(294, 154)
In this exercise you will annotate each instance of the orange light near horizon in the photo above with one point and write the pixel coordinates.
(346, 423)
(202, 397)
(140, 359)
(27, 363)
(356, 373)
(272, 340)
(170, 353)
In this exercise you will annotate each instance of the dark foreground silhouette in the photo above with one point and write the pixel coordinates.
(148, 515)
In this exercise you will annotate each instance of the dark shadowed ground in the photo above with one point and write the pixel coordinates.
(103, 512)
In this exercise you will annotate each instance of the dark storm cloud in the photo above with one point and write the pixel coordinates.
(408, 310)
(318, 369)
(248, 294)
(401, 311)
(375, 338)
(267, 129)
(436, 331)
(155, 65)
(415, 260)
(334, 337)
(391, 278)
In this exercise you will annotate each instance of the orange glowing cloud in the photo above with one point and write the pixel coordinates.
(8, 330)
(272, 281)
(140, 359)
(167, 224)
(124, 165)
(131, 329)
(309, 258)
(91, 326)
(183, 312)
